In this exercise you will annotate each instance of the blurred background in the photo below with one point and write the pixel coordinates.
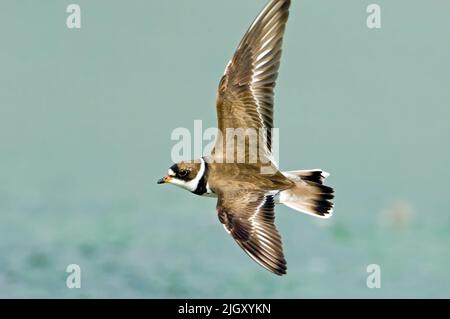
(85, 123)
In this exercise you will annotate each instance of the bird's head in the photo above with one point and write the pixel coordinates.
(185, 175)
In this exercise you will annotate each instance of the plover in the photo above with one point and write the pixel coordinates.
(246, 195)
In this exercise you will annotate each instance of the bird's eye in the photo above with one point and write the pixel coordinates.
(183, 173)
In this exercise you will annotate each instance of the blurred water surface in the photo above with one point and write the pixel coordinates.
(85, 123)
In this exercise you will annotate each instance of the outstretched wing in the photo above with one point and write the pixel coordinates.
(249, 218)
(246, 91)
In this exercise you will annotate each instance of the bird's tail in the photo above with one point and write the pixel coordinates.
(309, 195)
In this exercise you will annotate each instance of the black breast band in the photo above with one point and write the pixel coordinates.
(201, 186)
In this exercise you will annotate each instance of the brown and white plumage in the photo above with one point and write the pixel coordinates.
(246, 197)
(248, 216)
(246, 91)
(245, 100)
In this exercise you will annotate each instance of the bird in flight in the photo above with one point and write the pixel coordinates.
(246, 193)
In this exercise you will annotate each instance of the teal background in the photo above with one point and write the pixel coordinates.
(85, 123)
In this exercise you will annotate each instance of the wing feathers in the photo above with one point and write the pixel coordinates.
(249, 218)
(246, 91)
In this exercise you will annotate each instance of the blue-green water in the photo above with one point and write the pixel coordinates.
(85, 123)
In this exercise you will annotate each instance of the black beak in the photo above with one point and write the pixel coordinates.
(164, 180)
